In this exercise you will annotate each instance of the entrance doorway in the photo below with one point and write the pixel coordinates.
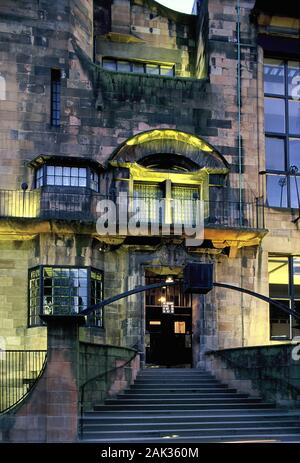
(168, 324)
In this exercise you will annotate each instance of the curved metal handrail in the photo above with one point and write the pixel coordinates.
(100, 375)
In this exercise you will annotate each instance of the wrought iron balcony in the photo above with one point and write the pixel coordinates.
(84, 206)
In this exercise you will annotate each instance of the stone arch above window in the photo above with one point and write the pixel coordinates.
(153, 149)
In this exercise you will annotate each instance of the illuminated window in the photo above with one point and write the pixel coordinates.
(166, 202)
(64, 291)
(112, 64)
(152, 69)
(67, 176)
(147, 202)
(184, 198)
(179, 327)
(282, 132)
(284, 287)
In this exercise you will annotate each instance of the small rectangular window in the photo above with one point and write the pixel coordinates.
(109, 64)
(294, 117)
(152, 69)
(166, 70)
(138, 67)
(276, 191)
(294, 150)
(274, 115)
(39, 177)
(275, 158)
(293, 77)
(274, 77)
(124, 66)
(179, 327)
(55, 97)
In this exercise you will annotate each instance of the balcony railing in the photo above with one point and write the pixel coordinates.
(19, 372)
(57, 205)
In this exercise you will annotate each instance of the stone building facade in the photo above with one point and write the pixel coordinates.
(104, 97)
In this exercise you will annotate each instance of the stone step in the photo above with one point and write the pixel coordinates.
(175, 383)
(175, 395)
(174, 371)
(176, 375)
(186, 407)
(234, 398)
(253, 437)
(189, 432)
(190, 417)
(178, 387)
(91, 425)
(170, 389)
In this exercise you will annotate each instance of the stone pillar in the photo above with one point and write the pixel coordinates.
(50, 412)
(62, 377)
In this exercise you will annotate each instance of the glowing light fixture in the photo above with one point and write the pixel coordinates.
(169, 279)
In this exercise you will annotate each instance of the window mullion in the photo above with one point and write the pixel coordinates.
(168, 201)
(286, 108)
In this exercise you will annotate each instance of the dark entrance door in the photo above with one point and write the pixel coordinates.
(168, 325)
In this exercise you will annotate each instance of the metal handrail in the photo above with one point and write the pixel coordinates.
(23, 361)
(98, 376)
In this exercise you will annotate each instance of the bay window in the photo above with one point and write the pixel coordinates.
(67, 176)
(55, 290)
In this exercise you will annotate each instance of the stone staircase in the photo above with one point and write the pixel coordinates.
(187, 405)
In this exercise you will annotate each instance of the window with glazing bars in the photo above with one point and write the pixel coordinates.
(284, 287)
(138, 67)
(282, 132)
(64, 291)
(55, 97)
(184, 204)
(67, 176)
(180, 206)
(147, 204)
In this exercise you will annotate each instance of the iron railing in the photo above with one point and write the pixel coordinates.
(19, 372)
(99, 386)
(56, 205)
